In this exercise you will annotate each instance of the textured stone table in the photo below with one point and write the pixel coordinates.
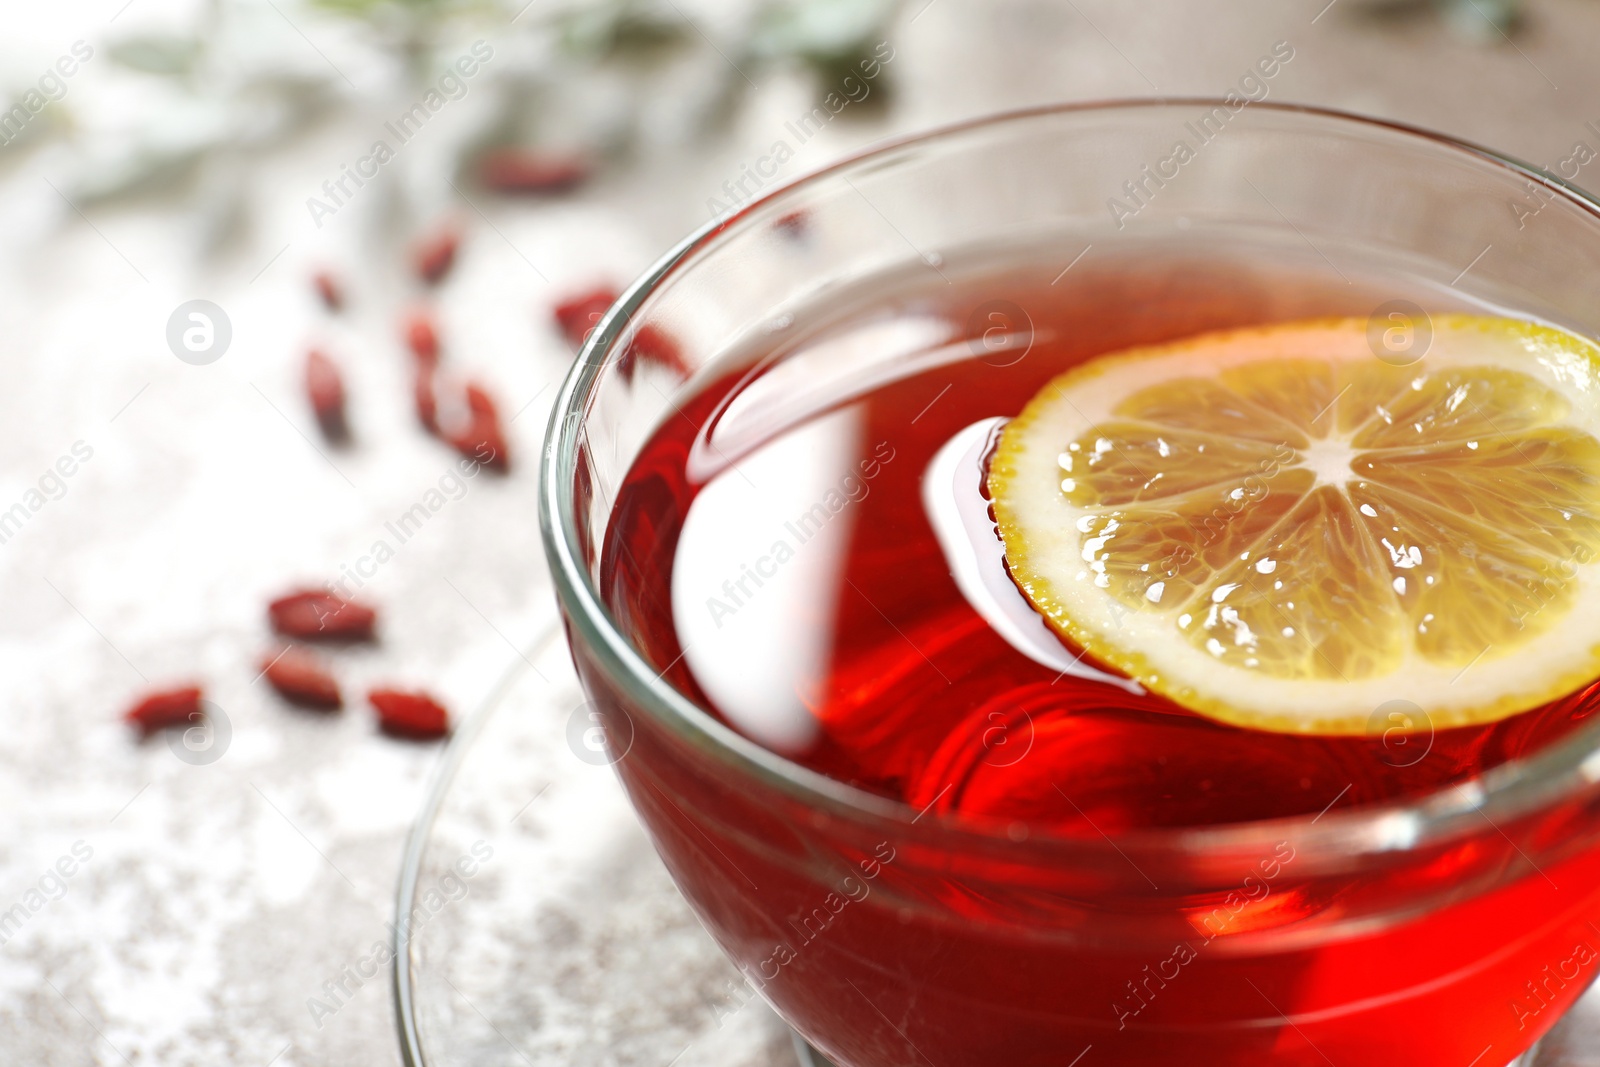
(208, 903)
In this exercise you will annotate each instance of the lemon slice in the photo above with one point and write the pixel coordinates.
(1279, 530)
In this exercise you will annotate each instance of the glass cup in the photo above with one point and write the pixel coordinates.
(1452, 930)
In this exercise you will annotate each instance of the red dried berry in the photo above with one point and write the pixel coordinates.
(579, 315)
(482, 439)
(317, 615)
(330, 290)
(301, 678)
(434, 255)
(325, 388)
(427, 402)
(480, 403)
(650, 344)
(523, 171)
(413, 715)
(170, 707)
(422, 337)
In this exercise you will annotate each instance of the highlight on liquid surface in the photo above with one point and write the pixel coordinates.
(805, 548)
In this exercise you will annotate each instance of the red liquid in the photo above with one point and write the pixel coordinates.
(915, 697)
(919, 699)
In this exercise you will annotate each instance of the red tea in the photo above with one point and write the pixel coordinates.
(781, 551)
(906, 689)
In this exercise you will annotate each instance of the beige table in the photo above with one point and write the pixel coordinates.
(219, 898)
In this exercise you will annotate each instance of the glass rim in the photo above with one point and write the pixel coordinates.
(1505, 792)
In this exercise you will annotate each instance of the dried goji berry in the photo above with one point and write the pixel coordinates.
(650, 344)
(414, 715)
(579, 315)
(434, 254)
(482, 438)
(422, 337)
(330, 290)
(480, 403)
(318, 615)
(520, 170)
(300, 677)
(170, 707)
(325, 388)
(426, 401)
(485, 442)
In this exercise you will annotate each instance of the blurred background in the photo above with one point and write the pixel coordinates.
(338, 175)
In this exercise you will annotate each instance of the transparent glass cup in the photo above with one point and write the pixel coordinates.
(1453, 930)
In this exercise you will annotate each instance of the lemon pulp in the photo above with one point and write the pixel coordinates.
(1278, 529)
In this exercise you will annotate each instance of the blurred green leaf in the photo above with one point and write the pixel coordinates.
(422, 9)
(825, 30)
(169, 56)
(1482, 21)
(620, 30)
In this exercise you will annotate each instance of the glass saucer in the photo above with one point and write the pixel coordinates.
(545, 932)
(543, 929)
